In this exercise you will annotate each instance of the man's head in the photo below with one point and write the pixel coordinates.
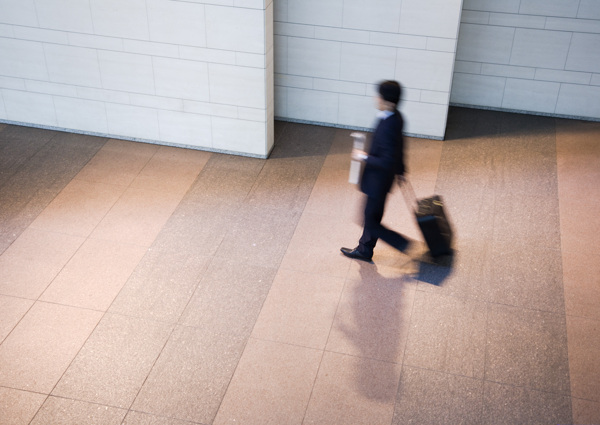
(390, 92)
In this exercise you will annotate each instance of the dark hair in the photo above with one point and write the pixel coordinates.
(390, 91)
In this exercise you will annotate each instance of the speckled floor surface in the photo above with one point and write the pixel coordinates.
(142, 284)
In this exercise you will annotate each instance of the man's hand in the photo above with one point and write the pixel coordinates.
(359, 155)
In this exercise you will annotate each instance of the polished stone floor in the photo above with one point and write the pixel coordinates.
(144, 284)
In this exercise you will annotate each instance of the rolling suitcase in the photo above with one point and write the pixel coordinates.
(431, 219)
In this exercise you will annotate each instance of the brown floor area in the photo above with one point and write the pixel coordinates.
(143, 284)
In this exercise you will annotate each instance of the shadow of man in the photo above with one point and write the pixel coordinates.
(377, 329)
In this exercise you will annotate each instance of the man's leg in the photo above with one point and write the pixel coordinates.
(373, 215)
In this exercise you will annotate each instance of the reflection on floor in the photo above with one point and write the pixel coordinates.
(142, 284)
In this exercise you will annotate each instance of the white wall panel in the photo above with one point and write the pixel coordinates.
(530, 95)
(185, 129)
(3, 115)
(176, 22)
(482, 43)
(508, 71)
(18, 12)
(567, 8)
(139, 69)
(37, 34)
(327, 69)
(426, 118)
(361, 62)
(316, 58)
(20, 107)
(120, 18)
(126, 72)
(24, 59)
(132, 121)
(237, 86)
(520, 21)
(82, 115)
(545, 49)
(181, 79)
(73, 65)
(239, 136)
(563, 76)
(357, 111)
(506, 6)
(424, 69)
(584, 54)
(383, 16)
(305, 12)
(589, 9)
(235, 29)
(579, 101)
(65, 15)
(554, 56)
(433, 18)
(312, 105)
(477, 90)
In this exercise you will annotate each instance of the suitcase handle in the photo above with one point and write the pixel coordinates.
(408, 193)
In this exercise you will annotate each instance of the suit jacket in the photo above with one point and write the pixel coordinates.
(386, 157)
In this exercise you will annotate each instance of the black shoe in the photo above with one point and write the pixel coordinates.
(354, 253)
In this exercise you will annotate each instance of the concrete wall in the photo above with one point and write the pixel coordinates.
(329, 54)
(191, 72)
(539, 56)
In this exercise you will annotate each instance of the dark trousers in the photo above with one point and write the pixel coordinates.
(374, 230)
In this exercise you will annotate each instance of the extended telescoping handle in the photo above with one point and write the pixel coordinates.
(408, 192)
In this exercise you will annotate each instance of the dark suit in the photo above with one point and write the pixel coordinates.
(385, 160)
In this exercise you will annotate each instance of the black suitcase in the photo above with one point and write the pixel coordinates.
(432, 221)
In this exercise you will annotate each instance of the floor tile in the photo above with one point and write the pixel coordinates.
(171, 170)
(532, 219)
(94, 275)
(353, 390)
(316, 259)
(315, 246)
(373, 318)
(333, 196)
(79, 208)
(190, 377)
(581, 277)
(137, 217)
(579, 226)
(18, 407)
(41, 347)
(299, 309)
(585, 412)
(507, 404)
(161, 286)
(259, 236)
(229, 298)
(427, 397)
(33, 260)
(527, 348)
(584, 352)
(271, 385)
(12, 311)
(423, 157)
(447, 334)
(338, 156)
(114, 362)
(118, 162)
(285, 184)
(523, 275)
(72, 412)
(138, 418)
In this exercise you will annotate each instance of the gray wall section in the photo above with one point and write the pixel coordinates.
(535, 56)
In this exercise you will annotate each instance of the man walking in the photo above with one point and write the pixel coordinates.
(384, 161)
